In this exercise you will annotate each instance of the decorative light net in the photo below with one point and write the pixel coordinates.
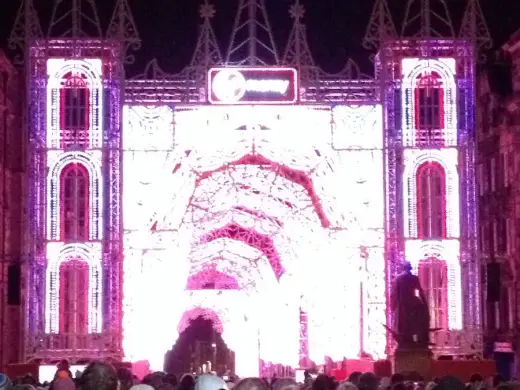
(251, 214)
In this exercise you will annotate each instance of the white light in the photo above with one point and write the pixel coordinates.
(58, 253)
(176, 193)
(412, 68)
(91, 69)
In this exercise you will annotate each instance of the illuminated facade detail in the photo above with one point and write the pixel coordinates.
(75, 101)
(433, 274)
(230, 208)
(73, 299)
(429, 102)
(59, 254)
(431, 201)
(418, 252)
(357, 127)
(242, 210)
(444, 163)
(75, 169)
(74, 203)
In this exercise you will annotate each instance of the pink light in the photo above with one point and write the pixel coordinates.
(211, 276)
(296, 176)
(250, 237)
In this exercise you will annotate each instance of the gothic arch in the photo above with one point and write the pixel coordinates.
(57, 254)
(447, 159)
(447, 251)
(91, 161)
(91, 72)
(431, 207)
(445, 69)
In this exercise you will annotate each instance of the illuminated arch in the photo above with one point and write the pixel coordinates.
(431, 206)
(91, 72)
(58, 161)
(258, 164)
(248, 264)
(412, 70)
(212, 279)
(74, 203)
(448, 160)
(449, 252)
(58, 253)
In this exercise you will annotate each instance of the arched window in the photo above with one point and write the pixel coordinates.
(431, 201)
(74, 203)
(74, 111)
(429, 109)
(433, 274)
(74, 298)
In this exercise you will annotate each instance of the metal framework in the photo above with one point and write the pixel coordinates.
(75, 33)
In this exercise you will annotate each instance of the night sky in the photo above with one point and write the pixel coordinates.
(335, 27)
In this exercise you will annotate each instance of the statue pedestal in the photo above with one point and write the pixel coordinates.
(413, 360)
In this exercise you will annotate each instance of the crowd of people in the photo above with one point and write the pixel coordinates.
(103, 376)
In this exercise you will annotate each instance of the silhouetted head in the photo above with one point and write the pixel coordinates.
(407, 267)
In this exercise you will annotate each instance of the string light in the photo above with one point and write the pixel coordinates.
(261, 210)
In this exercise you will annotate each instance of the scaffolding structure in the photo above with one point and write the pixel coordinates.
(75, 33)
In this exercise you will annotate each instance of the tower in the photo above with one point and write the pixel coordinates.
(74, 268)
(427, 79)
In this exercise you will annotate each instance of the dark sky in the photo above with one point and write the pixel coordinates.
(335, 27)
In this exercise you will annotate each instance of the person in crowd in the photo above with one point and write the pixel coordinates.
(187, 382)
(99, 376)
(251, 384)
(368, 381)
(210, 382)
(141, 387)
(354, 377)
(285, 384)
(63, 383)
(5, 383)
(126, 380)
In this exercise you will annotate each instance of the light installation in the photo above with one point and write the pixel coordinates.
(280, 206)
(250, 198)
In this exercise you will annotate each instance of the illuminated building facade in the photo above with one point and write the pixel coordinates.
(12, 173)
(248, 187)
(498, 191)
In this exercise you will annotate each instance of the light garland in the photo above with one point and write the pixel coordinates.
(412, 69)
(449, 252)
(236, 202)
(448, 159)
(56, 162)
(59, 253)
(91, 70)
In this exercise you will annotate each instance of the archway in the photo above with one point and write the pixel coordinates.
(200, 348)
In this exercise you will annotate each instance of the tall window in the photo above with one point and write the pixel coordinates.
(429, 109)
(74, 301)
(433, 274)
(74, 202)
(74, 111)
(431, 201)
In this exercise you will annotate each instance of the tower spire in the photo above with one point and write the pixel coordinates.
(380, 27)
(26, 28)
(123, 29)
(252, 41)
(207, 51)
(427, 19)
(74, 19)
(474, 27)
(297, 53)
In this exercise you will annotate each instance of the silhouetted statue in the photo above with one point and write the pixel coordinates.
(411, 314)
